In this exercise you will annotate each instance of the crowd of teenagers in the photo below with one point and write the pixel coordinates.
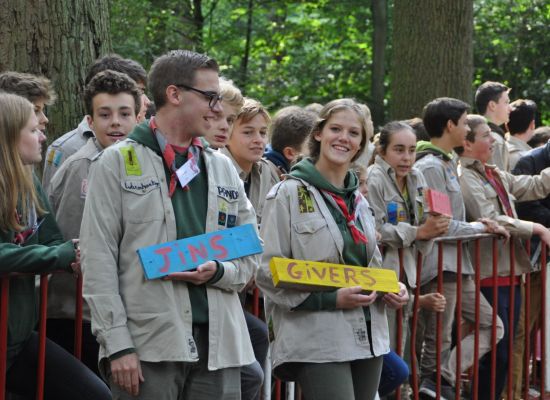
(314, 182)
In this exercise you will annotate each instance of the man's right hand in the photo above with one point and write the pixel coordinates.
(126, 373)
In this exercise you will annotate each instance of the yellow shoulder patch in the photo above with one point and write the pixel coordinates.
(131, 162)
(305, 202)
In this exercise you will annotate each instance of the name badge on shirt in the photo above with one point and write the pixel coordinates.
(187, 172)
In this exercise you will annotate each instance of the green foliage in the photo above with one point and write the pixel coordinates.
(511, 45)
(314, 51)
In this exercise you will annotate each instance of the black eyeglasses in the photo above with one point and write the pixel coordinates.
(213, 97)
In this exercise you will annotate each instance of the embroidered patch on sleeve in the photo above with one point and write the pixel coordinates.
(305, 203)
(51, 155)
(222, 218)
(57, 158)
(131, 162)
(231, 220)
(83, 188)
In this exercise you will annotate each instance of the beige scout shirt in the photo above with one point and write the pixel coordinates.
(517, 148)
(312, 234)
(383, 189)
(500, 157)
(129, 208)
(481, 200)
(64, 147)
(262, 179)
(67, 194)
(441, 175)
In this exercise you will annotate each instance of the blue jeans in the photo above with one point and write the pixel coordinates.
(502, 356)
(394, 372)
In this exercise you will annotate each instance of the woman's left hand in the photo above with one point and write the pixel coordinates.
(397, 301)
(75, 266)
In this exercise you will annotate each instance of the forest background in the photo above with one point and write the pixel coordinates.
(393, 55)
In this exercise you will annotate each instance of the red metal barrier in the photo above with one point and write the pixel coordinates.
(41, 364)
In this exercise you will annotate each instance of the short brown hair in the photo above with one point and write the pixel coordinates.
(111, 82)
(176, 67)
(488, 91)
(250, 109)
(32, 87)
(473, 121)
(290, 127)
(326, 113)
(114, 62)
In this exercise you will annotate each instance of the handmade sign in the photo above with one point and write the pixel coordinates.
(314, 275)
(186, 254)
(438, 203)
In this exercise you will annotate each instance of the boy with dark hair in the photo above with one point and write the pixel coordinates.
(68, 144)
(112, 102)
(493, 102)
(521, 127)
(183, 336)
(540, 137)
(37, 89)
(288, 133)
(445, 122)
(491, 193)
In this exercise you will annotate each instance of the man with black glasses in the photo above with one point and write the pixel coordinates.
(183, 336)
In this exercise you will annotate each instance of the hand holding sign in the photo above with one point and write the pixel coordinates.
(352, 297)
(202, 274)
(397, 301)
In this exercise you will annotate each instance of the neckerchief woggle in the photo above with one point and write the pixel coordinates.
(339, 203)
(169, 155)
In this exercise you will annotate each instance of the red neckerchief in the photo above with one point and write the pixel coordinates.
(169, 155)
(21, 237)
(501, 192)
(356, 234)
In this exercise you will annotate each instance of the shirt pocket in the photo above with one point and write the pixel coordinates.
(311, 240)
(141, 199)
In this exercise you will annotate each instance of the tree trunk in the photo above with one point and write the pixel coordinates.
(58, 39)
(432, 54)
(380, 33)
(246, 54)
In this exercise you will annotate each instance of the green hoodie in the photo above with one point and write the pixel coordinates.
(353, 254)
(43, 251)
(189, 211)
(426, 147)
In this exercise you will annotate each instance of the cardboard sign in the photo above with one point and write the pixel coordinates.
(187, 254)
(438, 203)
(314, 275)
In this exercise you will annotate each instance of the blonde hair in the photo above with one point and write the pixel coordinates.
(326, 113)
(250, 109)
(16, 179)
(231, 94)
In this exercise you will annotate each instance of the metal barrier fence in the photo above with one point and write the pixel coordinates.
(291, 391)
(4, 302)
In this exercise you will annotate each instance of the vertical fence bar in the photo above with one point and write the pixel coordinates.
(399, 321)
(543, 323)
(42, 337)
(511, 319)
(527, 340)
(414, 367)
(458, 318)
(477, 267)
(494, 320)
(78, 318)
(439, 323)
(277, 389)
(4, 305)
